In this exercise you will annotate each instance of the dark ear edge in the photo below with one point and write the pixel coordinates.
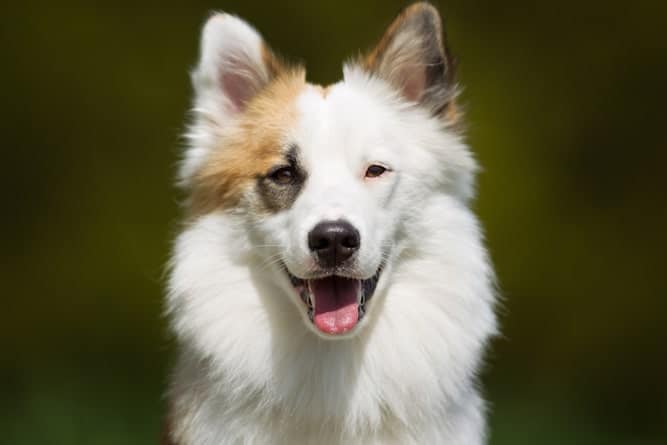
(413, 56)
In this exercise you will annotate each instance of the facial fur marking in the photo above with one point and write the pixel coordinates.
(279, 195)
(249, 149)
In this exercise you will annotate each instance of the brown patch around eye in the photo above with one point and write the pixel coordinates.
(249, 148)
(281, 186)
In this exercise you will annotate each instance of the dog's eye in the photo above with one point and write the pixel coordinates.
(283, 175)
(375, 170)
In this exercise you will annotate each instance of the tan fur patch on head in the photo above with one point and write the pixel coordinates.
(250, 146)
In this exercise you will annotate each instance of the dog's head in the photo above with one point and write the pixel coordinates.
(327, 180)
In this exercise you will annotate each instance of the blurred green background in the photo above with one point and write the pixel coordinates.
(566, 112)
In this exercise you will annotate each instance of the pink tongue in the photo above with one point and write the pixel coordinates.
(335, 304)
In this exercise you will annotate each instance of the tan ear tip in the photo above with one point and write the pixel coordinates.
(422, 7)
(421, 14)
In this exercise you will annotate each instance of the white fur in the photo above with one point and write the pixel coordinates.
(253, 370)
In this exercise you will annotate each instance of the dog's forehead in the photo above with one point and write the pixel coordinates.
(334, 120)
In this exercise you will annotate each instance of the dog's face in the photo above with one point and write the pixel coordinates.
(331, 205)
(326, 180)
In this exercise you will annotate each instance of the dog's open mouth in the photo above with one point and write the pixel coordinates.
(335, 304)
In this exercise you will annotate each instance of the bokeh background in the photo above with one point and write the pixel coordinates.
(565, 110)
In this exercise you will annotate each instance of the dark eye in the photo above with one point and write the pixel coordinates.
(283, 175)
(375, 170)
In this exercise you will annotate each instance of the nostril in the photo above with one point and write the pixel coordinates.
(318, 242)
(351, 241)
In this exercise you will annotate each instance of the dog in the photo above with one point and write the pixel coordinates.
(330, 284)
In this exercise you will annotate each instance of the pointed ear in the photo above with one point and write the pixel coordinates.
(234, 65)
(413, 57)
(234, 62)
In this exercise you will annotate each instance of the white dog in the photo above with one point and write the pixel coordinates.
(330, 285)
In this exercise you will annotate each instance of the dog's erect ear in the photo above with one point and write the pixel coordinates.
(413, 57)
(234, 63)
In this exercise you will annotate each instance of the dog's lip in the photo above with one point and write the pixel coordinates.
(367, 287)
(318, 275)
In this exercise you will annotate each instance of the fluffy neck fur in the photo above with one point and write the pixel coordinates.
(248, 363)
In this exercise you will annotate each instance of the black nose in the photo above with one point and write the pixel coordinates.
(333, 242)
